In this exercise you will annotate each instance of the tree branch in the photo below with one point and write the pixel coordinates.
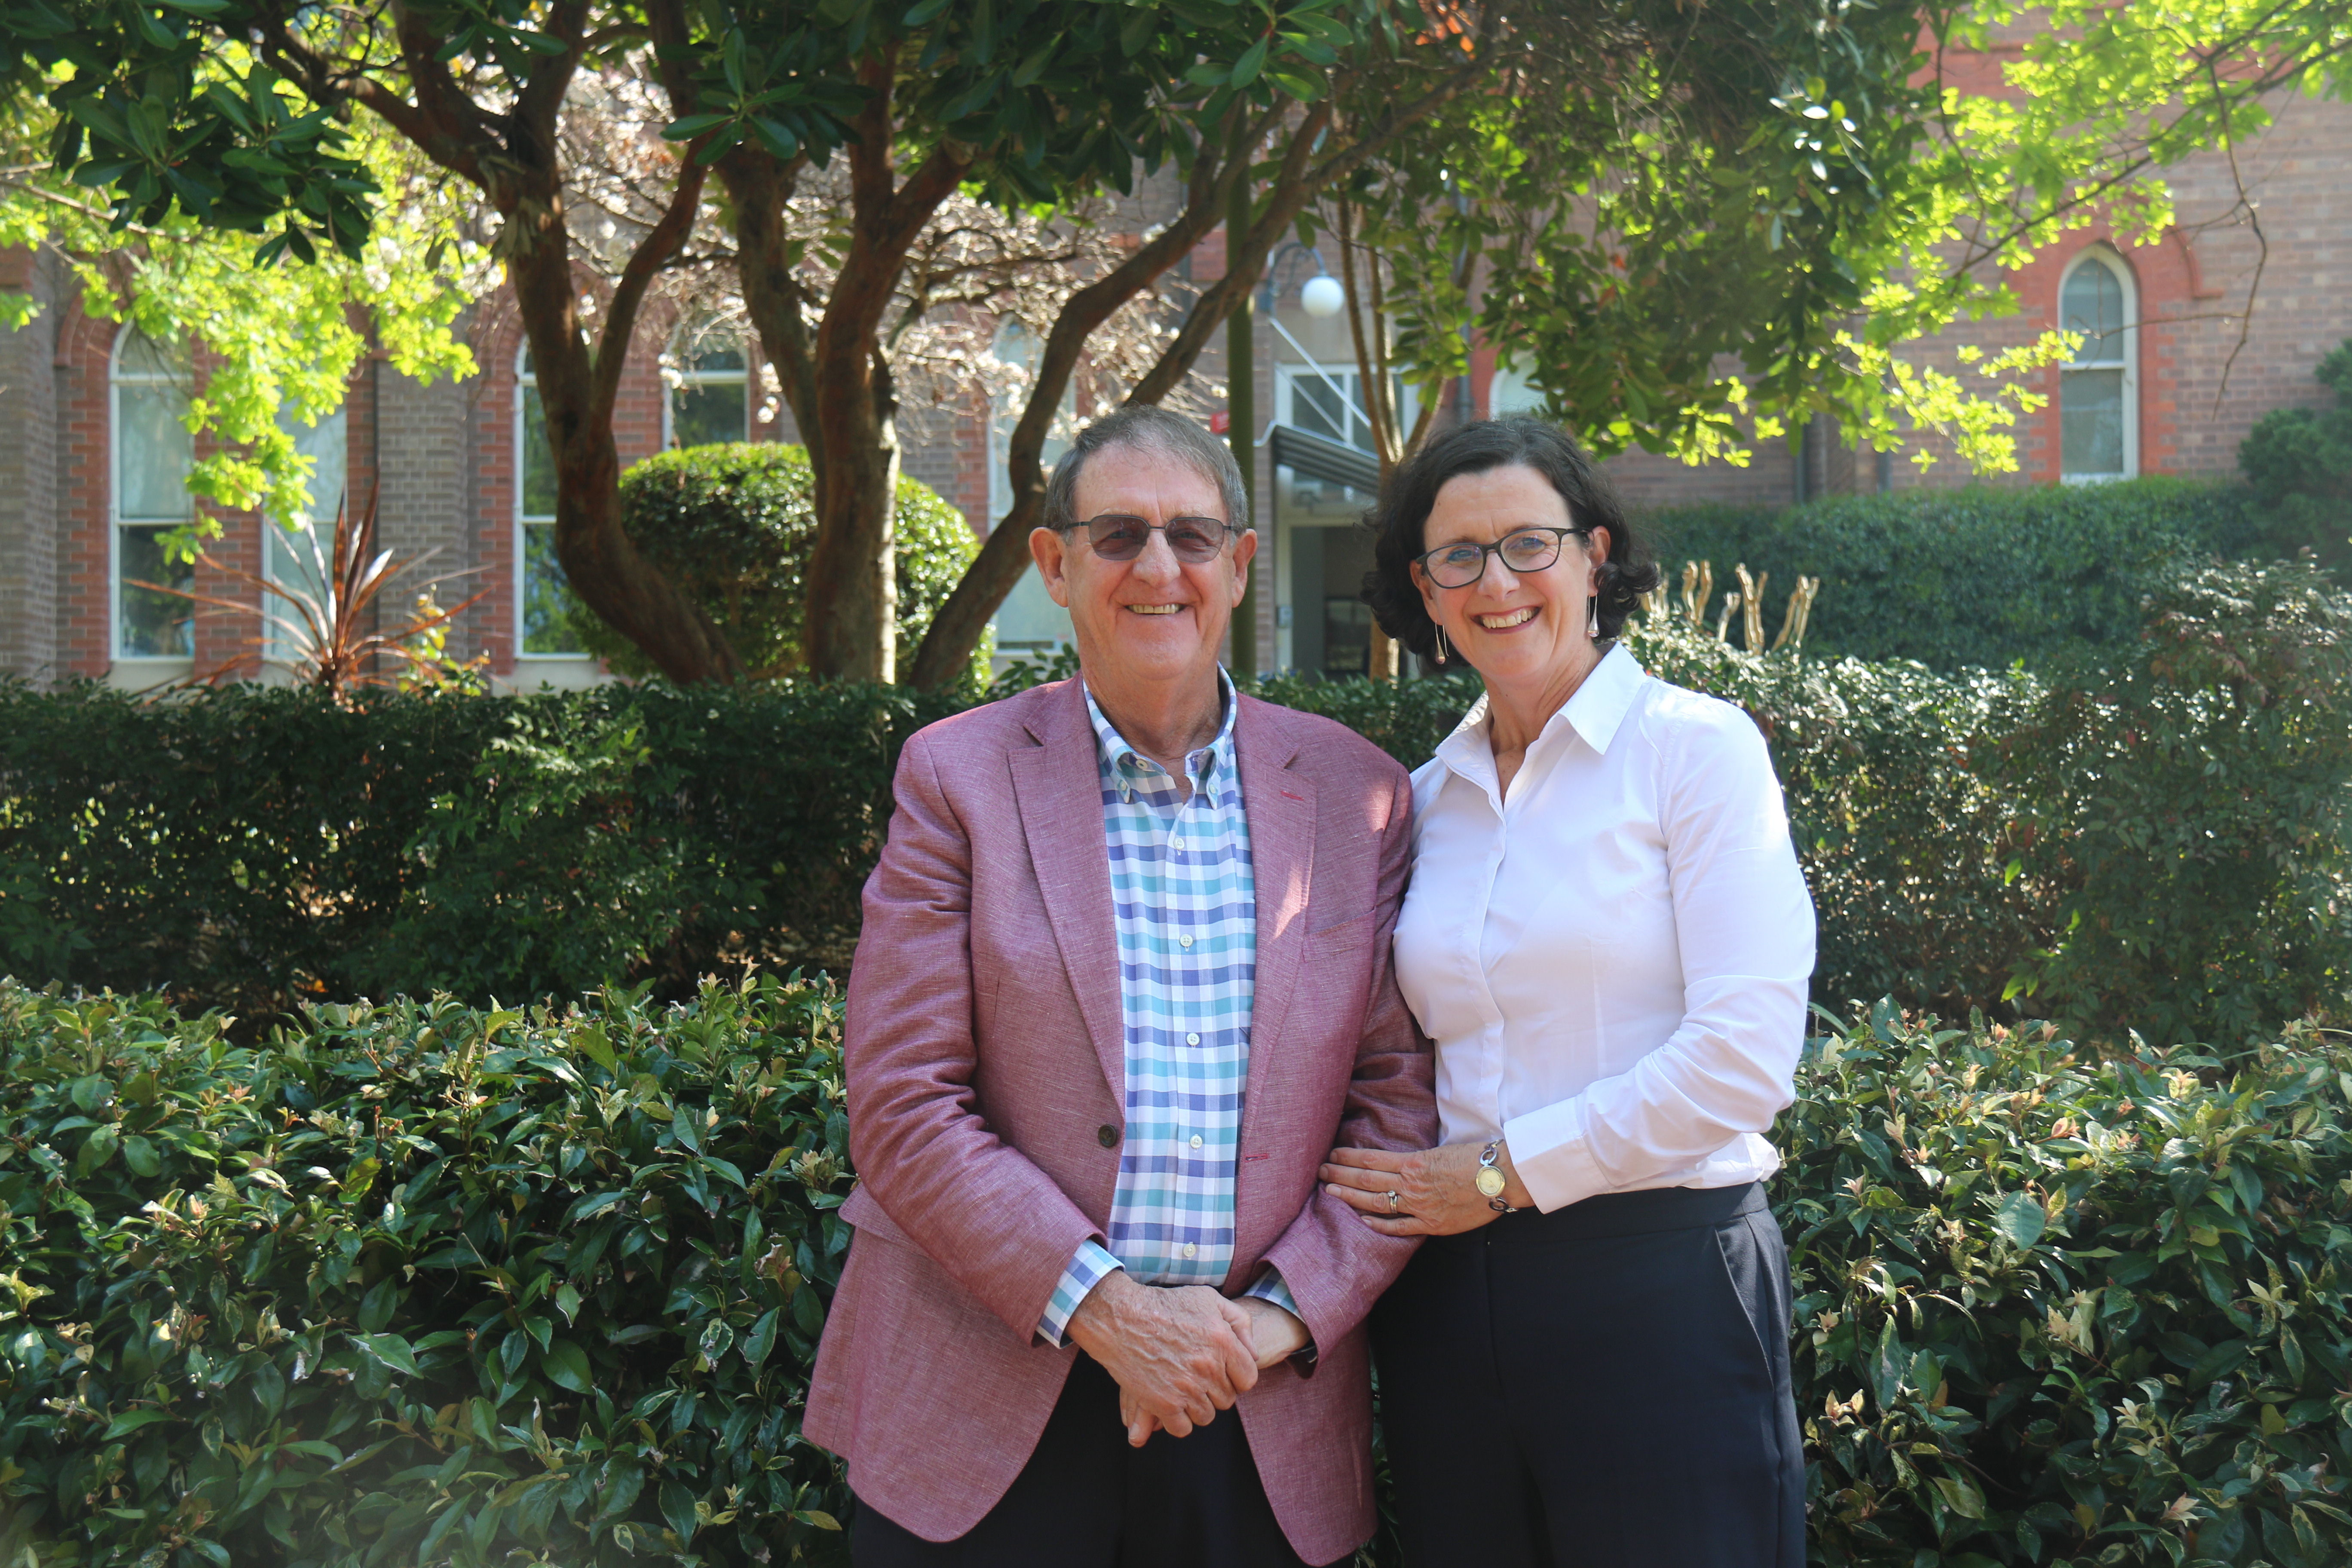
(653, 253)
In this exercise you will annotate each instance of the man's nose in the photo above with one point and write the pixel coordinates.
(1158, 563)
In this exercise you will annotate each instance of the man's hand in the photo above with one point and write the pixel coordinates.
(1276, 1335)
(1179, 1355)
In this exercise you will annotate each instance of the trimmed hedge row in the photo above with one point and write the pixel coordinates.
(2159, 842)
(416, 1283)
(1979, 577)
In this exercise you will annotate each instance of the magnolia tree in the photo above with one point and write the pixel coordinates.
(1689, 221)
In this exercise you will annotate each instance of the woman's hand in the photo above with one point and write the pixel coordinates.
(1435, 1189)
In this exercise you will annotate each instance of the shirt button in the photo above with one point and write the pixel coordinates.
(1190, 1249)
(1183, 941)
(1196, 1143)
(1191, 1039)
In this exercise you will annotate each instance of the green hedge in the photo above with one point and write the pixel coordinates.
(415, 1283)
(1977, 577)
(2158, 839)
(250, 847)
(733, 524)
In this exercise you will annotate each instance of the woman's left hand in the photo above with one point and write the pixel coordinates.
(1435, 1189)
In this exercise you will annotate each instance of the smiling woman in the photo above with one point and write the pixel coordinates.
(1607, 939)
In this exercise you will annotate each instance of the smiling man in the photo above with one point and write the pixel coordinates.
(1124, 977)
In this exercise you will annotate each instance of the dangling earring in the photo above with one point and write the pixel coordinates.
(1441, 644)
(1592, 616)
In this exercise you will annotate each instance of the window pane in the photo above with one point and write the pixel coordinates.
(2093, 306)
(297, 562)
(544, 629)
(1315, 406)
(718, 359)
(153, 451)
(326, 444)
(538, 461)
(2091, 419)
(154, 626)
(701, 414)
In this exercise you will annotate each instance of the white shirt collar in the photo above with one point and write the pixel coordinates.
(1596, 712)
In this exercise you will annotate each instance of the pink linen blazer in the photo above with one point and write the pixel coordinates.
(986, 1071)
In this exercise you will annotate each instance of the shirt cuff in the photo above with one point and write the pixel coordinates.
(1552, 1152)
(1269, 1287)
(1088, 1267)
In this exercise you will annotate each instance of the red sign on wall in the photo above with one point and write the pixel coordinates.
(1220, 422)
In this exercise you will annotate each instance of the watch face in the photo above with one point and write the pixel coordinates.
(1490, 1181)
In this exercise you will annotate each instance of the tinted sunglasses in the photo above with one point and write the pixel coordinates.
(1117, 536)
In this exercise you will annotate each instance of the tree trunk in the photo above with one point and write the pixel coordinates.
(850, 626)
(602, 564)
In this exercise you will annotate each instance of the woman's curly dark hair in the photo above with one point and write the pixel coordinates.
(1404, 506)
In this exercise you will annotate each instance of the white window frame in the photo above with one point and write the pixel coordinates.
(690, 377)
(1004, 413)
(2102, 255)
(115, 522)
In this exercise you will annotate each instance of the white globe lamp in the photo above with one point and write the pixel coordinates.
(1322, 296)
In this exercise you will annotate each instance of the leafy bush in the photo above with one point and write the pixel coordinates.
(2184, 813)
(733, 524)
(1977, 577)
(250, 847)
(2060, 1309)
(2299, 461)
(418, 1284)
(415, 1283)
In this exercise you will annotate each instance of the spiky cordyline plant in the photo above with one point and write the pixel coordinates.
(324, 623)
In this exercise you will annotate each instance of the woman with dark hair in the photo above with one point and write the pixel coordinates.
(1608, 940)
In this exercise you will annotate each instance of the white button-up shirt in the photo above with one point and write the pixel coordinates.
(1612, 958)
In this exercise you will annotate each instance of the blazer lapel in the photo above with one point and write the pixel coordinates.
(1059, 792)
(1280, 802)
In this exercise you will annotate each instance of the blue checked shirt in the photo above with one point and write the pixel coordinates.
(1185, 905)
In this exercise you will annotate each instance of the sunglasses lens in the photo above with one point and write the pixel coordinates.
(1193, 542)
(1118, 538)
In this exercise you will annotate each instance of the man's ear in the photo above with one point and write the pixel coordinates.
(1047, 547)
(1244, 551)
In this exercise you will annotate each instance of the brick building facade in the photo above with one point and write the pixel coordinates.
(86, 463)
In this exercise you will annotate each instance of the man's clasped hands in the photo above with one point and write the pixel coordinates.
(1181, 1354)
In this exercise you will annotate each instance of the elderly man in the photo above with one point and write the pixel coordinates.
(1124, 979)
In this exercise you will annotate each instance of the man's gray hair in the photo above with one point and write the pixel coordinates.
(1152, 429)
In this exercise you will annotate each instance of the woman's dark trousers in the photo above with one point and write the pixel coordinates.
(1603, 1386)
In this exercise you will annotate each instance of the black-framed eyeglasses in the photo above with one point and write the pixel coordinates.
(1523, 551)
(1117, 536)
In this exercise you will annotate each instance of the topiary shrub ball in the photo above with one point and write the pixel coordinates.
(733, 524)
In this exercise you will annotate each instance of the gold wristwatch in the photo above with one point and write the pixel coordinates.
(1489, 1180)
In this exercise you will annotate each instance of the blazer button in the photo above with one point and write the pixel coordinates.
(1108, 1136)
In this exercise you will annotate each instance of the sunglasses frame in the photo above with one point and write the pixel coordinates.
(1227, 533)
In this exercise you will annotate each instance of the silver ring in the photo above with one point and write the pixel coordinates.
(1392, 1200)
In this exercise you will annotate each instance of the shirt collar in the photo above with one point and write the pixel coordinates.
(1596, 712)
(1127, 764)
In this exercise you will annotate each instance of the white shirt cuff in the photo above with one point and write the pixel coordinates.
(1088, 1267)
(1553, 1154)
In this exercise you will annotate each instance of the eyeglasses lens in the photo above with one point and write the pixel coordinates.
(1530, 552)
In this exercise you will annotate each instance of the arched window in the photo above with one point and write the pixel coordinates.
(711, 399)
(148, 392)
(541, 626)
(2098, 392)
